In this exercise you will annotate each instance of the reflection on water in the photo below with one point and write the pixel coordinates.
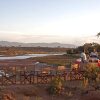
(24, 56)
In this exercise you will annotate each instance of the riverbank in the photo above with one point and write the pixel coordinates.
(57, 59)
(24, 56)
(14, 51)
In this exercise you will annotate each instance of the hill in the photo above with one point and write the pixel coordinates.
(18, 44)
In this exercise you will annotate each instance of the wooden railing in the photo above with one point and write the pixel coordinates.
(38, 77)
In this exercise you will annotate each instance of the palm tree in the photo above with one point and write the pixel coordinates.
(98, 34)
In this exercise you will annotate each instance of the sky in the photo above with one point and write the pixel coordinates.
(63, 21)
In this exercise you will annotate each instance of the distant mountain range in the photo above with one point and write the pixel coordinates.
(18, 44)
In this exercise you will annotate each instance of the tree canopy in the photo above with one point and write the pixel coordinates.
(98, 34)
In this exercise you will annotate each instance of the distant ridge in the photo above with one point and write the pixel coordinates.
(18, 44)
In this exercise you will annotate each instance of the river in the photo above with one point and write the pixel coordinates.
(24, 56)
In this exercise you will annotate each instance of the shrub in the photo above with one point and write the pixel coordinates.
(91, 73)
(56, 86)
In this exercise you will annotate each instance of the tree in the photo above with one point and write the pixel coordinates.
(98, 34)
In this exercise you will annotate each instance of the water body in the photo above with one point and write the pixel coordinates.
(24, 56)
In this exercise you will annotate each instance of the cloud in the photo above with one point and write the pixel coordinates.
(31, 38)
(10, 32)
(14, 37)
(83, 40)
(39, 36)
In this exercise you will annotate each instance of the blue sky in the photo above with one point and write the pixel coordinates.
(64, 21)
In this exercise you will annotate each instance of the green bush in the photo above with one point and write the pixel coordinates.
(56, 86)
(91, 73)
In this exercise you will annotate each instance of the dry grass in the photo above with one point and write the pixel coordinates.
(19, 92)
(56, 59)
(30, 92)
(93, 95)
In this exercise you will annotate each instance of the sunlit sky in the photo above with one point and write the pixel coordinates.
(63, 21)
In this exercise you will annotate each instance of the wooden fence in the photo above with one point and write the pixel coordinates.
(38, 77)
